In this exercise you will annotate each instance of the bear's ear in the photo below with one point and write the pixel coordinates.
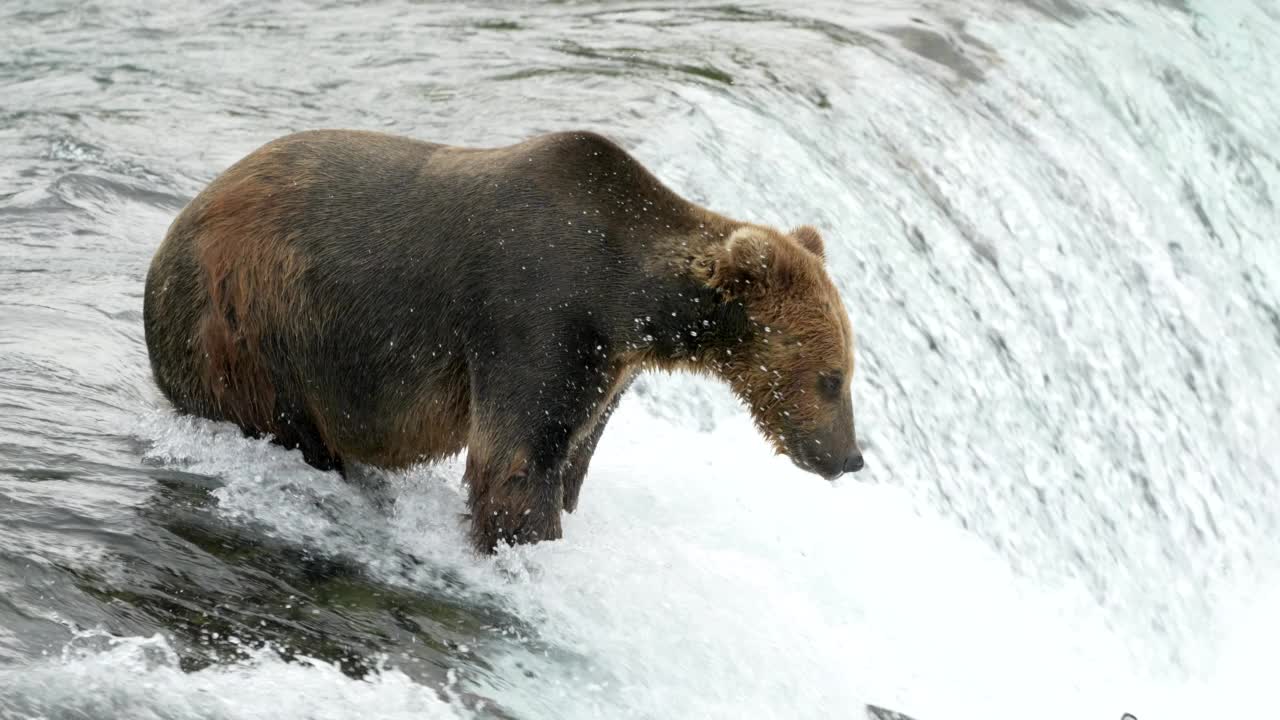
(749, 260)
(809, 239)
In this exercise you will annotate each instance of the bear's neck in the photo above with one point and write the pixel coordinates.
(691, 329)
(677, 322)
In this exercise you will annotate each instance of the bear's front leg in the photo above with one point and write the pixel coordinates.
(525, 418)
(512, 500)
(575, 471)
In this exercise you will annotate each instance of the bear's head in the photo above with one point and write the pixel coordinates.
(793, 362)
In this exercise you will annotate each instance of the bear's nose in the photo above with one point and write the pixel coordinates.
(853, 463)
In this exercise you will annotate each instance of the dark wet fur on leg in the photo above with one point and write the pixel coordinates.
(516, 509)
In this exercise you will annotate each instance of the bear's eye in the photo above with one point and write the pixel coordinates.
(829, 384)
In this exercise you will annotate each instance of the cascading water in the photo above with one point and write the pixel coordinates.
(1054, 224)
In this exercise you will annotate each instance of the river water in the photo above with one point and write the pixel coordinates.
(1055, 227)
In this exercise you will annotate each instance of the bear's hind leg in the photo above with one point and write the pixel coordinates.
(296, 430)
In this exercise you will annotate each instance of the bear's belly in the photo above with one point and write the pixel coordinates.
(429, 424)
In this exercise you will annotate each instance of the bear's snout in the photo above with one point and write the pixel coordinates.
(829, 451)
(833, 467)
(853, 463)
(830, 464)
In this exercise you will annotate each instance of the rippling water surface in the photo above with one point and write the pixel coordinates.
(1055, 226)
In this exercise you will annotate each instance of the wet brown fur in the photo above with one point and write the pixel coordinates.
(374, 299)
(793, 307)
(250, 278)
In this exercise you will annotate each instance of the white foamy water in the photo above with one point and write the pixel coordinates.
(719, 584)
(1054, 226)
(100, 676)
(692, 584)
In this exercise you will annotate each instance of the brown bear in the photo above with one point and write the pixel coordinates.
(368, 298)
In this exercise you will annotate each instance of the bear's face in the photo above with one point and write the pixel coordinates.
(795, 366)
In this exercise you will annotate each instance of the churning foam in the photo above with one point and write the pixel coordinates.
(701, 577)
